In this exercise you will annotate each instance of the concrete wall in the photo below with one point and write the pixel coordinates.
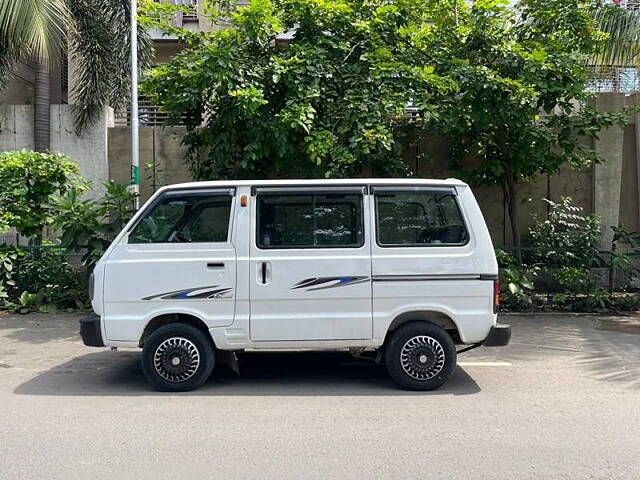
(16, 127)
(88, 150)
(162, 157)
(428, 159)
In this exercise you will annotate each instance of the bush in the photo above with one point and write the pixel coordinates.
(41, 277)
(8, 258)
(90, 226)
(515, 282)
(574, 280)
(46, 279)
(28, 180)
(625, 303)
(568, 238)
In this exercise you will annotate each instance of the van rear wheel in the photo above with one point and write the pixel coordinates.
(420, 356)
(177, 358)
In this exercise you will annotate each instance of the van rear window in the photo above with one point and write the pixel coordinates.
(310, 221)
(419, 219)
(188, 218)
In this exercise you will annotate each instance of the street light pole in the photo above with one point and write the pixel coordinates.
(135, 161)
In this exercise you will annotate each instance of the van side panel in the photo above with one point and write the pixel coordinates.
(438, 278)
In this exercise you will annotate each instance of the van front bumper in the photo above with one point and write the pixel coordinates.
(499, 336)
(90, 331)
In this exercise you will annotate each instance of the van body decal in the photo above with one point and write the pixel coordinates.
(321, 283)
(197, 293)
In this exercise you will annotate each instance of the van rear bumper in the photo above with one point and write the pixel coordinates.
(499, 336)
(90, 331)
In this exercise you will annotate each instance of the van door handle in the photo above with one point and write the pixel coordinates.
(264, 273)
(215, 265)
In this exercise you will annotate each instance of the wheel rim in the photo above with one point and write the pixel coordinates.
(422, 357)
(176, 359)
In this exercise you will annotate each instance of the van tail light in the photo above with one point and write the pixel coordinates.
(496, 295)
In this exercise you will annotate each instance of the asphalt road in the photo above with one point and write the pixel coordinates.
(563, 401)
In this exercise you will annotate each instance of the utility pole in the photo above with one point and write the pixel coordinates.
(135, 161)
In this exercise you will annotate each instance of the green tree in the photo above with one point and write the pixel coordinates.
(28, 182)
(522, 108)
(329, 103)
(97, 35)
(505, 84)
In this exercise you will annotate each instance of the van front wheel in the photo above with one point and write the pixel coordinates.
(177, 358)
(420, 356)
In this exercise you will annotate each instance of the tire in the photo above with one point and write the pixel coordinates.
(420, 356)
(177, 358)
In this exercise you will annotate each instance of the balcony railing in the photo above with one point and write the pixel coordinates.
(628, 4)
(614, 79)
(149, 115)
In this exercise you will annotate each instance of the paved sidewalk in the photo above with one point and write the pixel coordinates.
(562, 401)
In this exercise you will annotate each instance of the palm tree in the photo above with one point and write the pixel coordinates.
(622, 47)
(97, 35)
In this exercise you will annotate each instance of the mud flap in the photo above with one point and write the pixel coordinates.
(229, 359)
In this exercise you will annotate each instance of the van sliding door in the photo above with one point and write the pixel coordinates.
(310, 266)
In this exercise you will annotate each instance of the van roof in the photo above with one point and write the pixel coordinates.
(449, 182)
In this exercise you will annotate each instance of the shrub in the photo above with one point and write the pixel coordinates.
(8, 258)
(568, 238)
(626, 303)
(515, 281)
(597, 299)
(505, 259)
(28, 180)
(574, 280)
(46, 279)
(89, 226)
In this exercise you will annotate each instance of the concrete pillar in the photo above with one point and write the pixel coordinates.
(607, 176)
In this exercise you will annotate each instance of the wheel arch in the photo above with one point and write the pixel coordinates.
(167, 318)
(439, 318)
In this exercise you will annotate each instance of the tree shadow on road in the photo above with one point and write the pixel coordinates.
(604, 355)
(261, 374)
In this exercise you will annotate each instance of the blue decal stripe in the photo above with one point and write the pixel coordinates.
(211, 291)
(322, 283)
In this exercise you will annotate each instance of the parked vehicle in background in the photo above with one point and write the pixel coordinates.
(401, 269)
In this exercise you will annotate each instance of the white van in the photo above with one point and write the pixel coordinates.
(400, 269)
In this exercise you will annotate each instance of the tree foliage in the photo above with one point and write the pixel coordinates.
(522, 109)
(330, 103)
(504, 84)
(28, 182)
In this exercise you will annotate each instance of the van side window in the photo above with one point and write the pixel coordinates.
(188, 218)
(310, 221)
(419, 219)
